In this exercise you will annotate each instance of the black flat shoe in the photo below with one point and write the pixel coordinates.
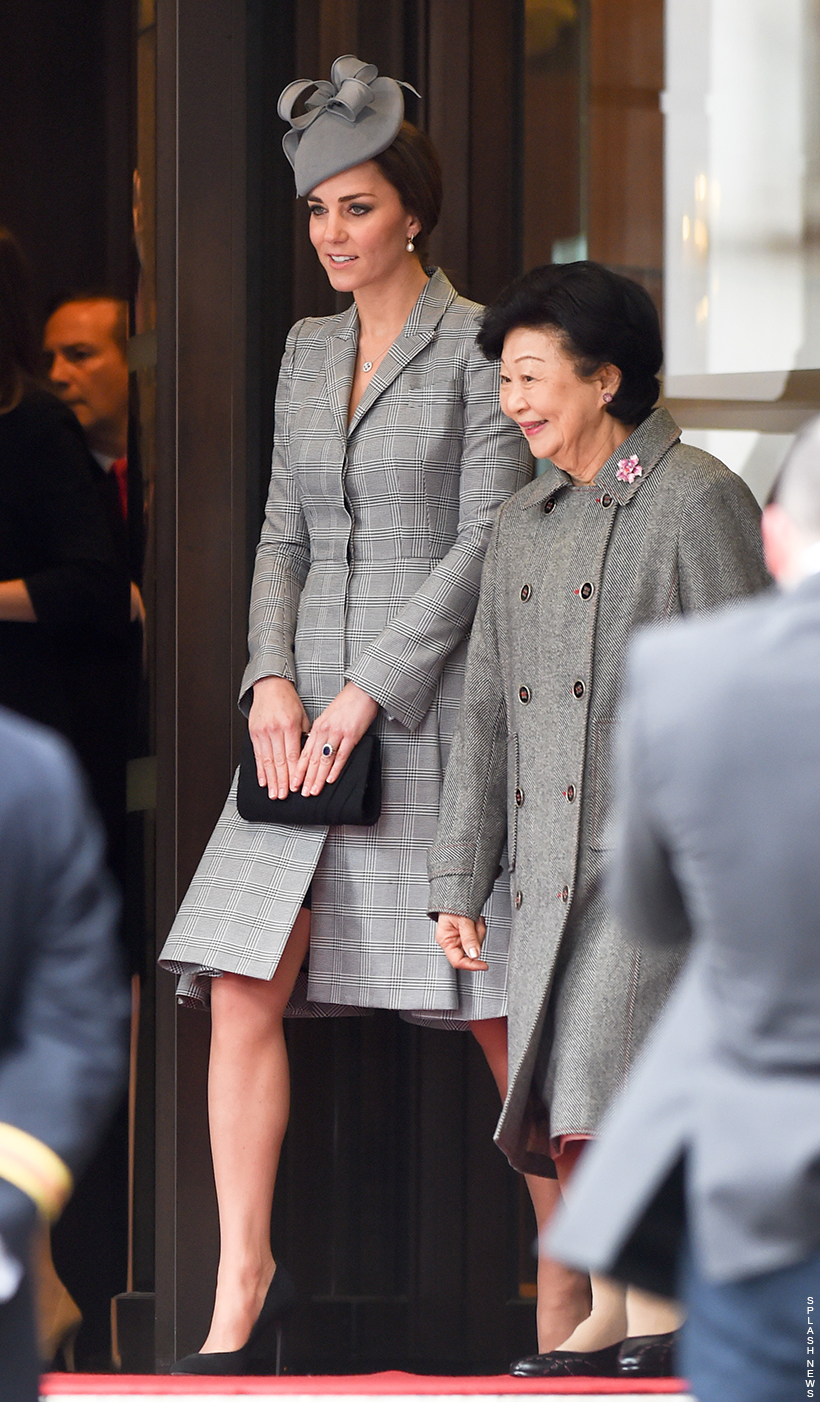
(262, 1354)
(566, 1363)
(648, 1356)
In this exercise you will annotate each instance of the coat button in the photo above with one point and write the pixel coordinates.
(578, 690)
(565, 894)
(586, 591)
(606, 499)
(525, 592)
(549, 505)
(570, 792)
(518, 900)
(519, 798)
(524, 695)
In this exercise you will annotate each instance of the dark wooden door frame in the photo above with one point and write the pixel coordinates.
(201, 511)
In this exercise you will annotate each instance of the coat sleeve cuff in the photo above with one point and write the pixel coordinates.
(270, 663)
(35, 1169)
(408, 712)
(18, 1218)
(453, 894)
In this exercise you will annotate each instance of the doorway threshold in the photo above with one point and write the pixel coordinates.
(368, 1387)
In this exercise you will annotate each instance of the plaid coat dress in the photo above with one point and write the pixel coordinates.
(570, 573)
(368, 570)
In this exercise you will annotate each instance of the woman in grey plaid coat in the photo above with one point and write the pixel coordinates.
(390, 460)
(625, 527)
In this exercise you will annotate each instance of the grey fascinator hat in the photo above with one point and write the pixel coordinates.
(349, 120)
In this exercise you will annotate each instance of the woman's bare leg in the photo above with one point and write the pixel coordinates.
(563, 1294)
(606, 1323)
(248, 1106)
(650, 1314)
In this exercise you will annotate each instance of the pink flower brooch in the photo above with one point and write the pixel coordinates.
(629, 469)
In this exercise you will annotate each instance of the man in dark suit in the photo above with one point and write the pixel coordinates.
(85, 343)
(63, 1011)
(708, 1167)
(86, 348)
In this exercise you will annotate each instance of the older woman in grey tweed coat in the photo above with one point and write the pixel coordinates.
(391, 458)
(626, 526)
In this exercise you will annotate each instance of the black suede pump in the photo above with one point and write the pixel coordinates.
(262, 1354)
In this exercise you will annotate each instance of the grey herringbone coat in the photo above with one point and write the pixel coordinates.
(571, 571)
(368, 570)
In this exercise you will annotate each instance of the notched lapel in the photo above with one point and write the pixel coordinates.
(339, 366)
(418, 332)
(402, 351)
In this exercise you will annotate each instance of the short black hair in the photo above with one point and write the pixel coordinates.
(603, 318)
(97, 293)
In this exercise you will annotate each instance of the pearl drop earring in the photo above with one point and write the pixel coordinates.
(410, 246)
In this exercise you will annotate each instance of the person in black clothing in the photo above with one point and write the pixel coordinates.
(85, 349)
(65, 594)
(66, 608)
(85, 344)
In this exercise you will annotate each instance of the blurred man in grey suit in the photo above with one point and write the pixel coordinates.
(706, 1178)
(63, 1009)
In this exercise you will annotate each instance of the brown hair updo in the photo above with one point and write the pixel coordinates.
(412, 166)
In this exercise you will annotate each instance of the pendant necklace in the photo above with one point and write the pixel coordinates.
(367, 365)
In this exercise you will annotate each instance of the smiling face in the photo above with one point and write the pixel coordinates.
(359, 228)
(561, 415)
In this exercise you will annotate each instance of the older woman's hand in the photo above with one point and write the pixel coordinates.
(340, 726)
(277, 722)
(461, 939)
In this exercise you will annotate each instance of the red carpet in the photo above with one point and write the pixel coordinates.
(368, 1385)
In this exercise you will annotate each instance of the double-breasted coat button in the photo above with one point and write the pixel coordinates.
(587, 590)
(549, 505)
(518, 900)
(524, 695)
(570, 792)
(519, 798)
(565, 894)
(525, 592)
(606, 499)
(578, 689)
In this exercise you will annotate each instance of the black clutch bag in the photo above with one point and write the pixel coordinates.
(355, 797)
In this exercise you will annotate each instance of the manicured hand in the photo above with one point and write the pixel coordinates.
(461, 939)
(340, 726)
(277, 722)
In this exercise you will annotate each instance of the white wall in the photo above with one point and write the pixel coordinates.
(742, 186)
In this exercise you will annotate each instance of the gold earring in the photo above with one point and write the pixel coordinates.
(410, 246)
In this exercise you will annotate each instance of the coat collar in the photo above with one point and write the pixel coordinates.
(648, 443)
(418, 331)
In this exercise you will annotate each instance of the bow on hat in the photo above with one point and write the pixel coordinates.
(361, 114)
(347, 93)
